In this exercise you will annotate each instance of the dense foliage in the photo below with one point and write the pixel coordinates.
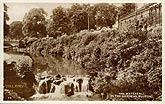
(16, 30)
(65, 20)
(34, 23)
(132, 59)
(6, 18)
(59, 23)
(133, 63)
(80, 20)
(105, 15)
(127, 8)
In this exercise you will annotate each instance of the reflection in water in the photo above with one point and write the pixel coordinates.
(53, 66)
(49, 65)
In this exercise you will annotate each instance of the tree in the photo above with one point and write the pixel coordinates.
(59, 23)
(6, 18)
(16, 30)
(105, 15)
(80, 20)
(91, 15)
(75, 7)
(73, 11)
(34, 23)
(126, 8)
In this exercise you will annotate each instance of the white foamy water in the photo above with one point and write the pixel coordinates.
(44, 69)
(59, 93)
(78, 96)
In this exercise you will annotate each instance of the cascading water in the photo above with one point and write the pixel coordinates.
(50, 66)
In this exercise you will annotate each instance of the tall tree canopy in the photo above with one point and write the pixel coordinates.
(91, 15)
(34, 23)
(6, 18)
(126, 8)
(16, 30)
(59, 23)
(82, 17)
(79, 17)
(105, 14)
(75, 7)
(80, 20)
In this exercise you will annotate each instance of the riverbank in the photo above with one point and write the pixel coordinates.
(132, 59)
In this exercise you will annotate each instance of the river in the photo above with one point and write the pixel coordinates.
(49, 65)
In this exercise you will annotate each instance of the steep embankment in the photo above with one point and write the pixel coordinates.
(132, 59)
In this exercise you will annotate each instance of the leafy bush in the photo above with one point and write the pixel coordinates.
(134, 57)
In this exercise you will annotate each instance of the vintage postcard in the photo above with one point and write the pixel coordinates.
(82, 51)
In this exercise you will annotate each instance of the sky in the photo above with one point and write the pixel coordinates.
(16, 11)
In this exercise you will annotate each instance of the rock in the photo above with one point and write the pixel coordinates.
(19, 82)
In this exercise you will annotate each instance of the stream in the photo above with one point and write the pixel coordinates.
(49, 65)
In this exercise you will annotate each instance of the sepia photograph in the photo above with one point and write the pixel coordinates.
(82, 51)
